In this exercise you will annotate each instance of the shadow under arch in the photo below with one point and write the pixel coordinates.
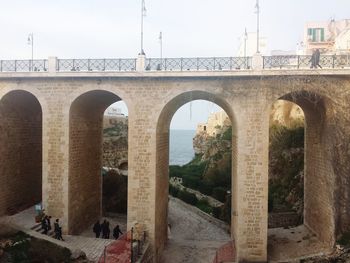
(162, 156)
(20, 151)
(318, 169)
(85, 158)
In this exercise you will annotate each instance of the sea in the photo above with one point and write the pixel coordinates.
(181, 147)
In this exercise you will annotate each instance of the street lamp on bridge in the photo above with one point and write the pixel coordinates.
(143, 14)
(257, 11)
(31, 43)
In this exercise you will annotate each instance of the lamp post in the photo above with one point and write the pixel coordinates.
(257, 25)
(31, 42)
(245, 42)
(143, 14)
(161, 48)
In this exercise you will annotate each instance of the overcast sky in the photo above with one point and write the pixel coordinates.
(111, 28)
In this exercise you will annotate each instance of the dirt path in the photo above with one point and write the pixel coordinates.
(192, 239)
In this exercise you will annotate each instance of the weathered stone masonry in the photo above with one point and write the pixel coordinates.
(72, 106)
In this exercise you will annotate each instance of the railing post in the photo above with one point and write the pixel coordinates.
(181, 63)
(298, 57)
(141, 63)
(88, 64)
(333, 60)
(15, 65)
(53, 64)
(197, 63)
(258, 62)
(214, 62)
(165, 62)
(231, 60)
(0, 65)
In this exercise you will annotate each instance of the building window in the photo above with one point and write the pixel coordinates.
(315, 34)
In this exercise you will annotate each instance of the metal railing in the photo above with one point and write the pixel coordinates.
(23, 65)
(120, 64)
(299, 62)
(197, 64)
(173, 64)
(127, 249)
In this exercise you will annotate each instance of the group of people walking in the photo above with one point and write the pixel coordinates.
(46, 226)
(104, 229)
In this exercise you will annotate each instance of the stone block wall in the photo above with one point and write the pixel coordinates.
(284, 219)
(20, 152)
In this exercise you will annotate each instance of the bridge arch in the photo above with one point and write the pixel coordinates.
(20, 151)
(85, 157)
(162, 156)
(319, 214)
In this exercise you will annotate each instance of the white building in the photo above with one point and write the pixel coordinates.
(248, 43)
(330, 37)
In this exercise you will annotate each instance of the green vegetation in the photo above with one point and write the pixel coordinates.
(344, 240)
(213, 176)
(22, 248)
(117, 129)
(286, 166)
(191, 199)
(115, 187)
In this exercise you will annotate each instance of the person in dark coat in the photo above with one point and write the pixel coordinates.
(44, 225)
(104, 229)
(97, 229)
(116, 232)
(313, 59)
(317, 58)
(48, 223)
(58, 230)
(108, 231)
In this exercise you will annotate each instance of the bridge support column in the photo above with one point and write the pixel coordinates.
(250, 185)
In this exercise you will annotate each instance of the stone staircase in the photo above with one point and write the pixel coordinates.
(37, 228)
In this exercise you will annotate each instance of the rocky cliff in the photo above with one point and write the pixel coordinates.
(115, 142)
(286, 155)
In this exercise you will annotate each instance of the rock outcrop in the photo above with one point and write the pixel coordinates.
(115, 142)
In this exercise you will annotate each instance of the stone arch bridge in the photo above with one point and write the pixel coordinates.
(50, 144)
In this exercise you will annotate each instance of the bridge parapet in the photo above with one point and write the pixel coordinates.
(298, 62)
(171, 64)
(23, 65)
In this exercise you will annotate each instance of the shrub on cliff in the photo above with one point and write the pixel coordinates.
(173, 191)
(286, 165)
(219, 193)
(187, 197)
(115, 187)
